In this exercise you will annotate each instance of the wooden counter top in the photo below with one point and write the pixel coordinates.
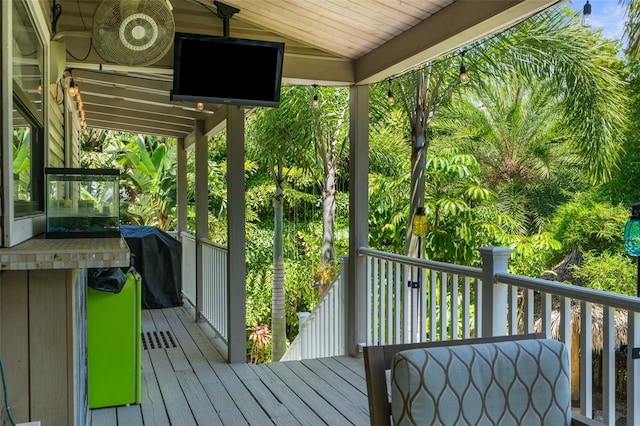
(68, 253)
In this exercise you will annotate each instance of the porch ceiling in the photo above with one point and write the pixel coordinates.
(327, 42)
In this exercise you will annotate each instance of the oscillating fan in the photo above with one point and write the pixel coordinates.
(133, 32)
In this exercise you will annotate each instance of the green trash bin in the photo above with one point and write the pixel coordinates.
(114, 333)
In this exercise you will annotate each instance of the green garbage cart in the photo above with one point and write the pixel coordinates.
(114, 334)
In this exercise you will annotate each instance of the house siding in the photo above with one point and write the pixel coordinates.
(56, 130)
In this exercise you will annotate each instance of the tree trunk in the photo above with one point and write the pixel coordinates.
(278, 318)
(418, 163)
(328, 212)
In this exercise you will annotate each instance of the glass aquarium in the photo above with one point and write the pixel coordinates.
(82, 203)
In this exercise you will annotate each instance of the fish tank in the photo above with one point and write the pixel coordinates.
(82, 203)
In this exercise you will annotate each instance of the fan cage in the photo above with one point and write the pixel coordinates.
(133, 32)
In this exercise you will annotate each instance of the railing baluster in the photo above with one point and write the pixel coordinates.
(527, 306)
(608, 372)
(397, 303)
(443, 306)
(433, 293)
(390, 302)
(370, 299)
(466, 308)
(586, 359)
(455, 318)
(546, 313)
(512, 318)
(376, 301)
(423, 303)
(633, 369)
(383, 302)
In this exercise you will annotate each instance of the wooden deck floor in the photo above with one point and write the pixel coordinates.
(185, 382)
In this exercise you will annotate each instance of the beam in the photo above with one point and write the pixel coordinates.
(453, 27)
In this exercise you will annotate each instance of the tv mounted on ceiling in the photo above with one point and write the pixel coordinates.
(226, 70)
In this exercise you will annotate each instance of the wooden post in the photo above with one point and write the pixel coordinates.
(356, 294)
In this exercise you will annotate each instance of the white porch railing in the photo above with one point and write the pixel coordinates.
(409, 299)
(214, 287)
(405, 297)
(413, 299)
(214, 281)
(188, 267)
(323, 332)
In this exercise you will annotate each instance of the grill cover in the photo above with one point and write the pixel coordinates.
(157, 257)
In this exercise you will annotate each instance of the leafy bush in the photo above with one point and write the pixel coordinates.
(607, 271)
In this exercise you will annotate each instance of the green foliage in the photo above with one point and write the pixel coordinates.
(608, 271)
(582, 68)
(589, 225)
(300, 293)
(151, 184)
(22, 162)
(624, 188)
(452, 189)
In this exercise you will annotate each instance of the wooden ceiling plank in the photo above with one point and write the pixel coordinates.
(166, 110)
(140, 122)
(144, 115)
(134, 129)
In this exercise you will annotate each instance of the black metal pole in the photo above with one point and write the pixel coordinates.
(419, 256)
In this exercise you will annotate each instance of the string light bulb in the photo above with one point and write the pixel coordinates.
(73, 89)
(315, 96)
(390, 98)
(586, 14)
(464, 77)
(199, 106)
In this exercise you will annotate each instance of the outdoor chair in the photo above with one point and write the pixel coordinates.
(507, 380)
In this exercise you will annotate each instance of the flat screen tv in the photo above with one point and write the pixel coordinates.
(226, 70)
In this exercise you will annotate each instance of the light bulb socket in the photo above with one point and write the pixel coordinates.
(73, 89)
(586, 15)
(464, 77)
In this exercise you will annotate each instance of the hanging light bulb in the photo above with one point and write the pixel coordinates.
(419, 223)
(390, 98)
(199, 106)
(315, 96)
(586, 14)
(464, 77)
(73, 89)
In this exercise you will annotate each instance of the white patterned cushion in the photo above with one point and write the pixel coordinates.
(525, 382)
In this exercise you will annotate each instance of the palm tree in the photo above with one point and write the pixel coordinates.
(515, 131)
(281, 140)
(551, 47)
(632, 27)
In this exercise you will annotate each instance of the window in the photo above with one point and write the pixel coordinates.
(28, 164)
(24, 158)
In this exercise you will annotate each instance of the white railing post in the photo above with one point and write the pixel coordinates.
(633, 369)
(493, 305)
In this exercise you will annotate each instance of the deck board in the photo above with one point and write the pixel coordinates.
(174, 399)
(151, 404)
(129, 415)
(314, 400)
(334, 395)
(191, 384)
(297, 407)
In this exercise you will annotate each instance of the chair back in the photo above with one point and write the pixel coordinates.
(377, 363)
